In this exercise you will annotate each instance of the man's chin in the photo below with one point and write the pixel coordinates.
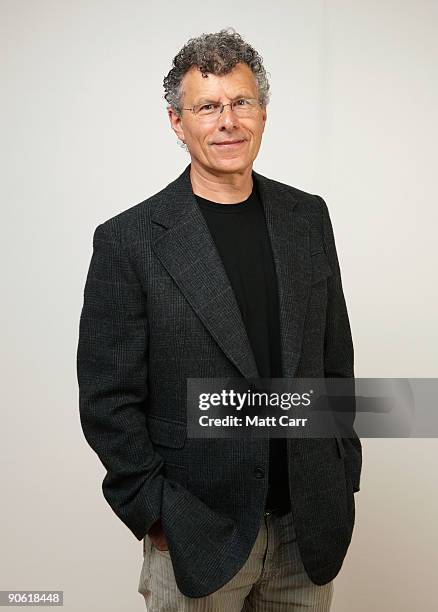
(230, 165)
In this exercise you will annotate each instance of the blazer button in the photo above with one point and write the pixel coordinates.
(259, 472)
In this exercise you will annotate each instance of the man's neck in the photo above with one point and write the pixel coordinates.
(221, 188)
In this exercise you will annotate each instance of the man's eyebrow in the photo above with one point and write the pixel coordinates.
(206, 99)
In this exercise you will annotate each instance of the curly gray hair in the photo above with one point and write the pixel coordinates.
(217, 54)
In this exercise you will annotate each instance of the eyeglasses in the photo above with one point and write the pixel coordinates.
(244, 107)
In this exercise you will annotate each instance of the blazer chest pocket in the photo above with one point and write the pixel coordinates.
(320, 267)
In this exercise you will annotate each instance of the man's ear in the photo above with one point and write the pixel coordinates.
(176, 123)
(264, 117)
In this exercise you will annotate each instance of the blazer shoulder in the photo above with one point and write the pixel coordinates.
(127, 225)
(306, 203)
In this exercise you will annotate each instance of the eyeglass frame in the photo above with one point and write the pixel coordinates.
(230, 104)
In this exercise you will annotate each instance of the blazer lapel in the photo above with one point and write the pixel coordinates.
(183, 244)
(290, 241)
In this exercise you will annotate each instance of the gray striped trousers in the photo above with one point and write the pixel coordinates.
(272, 579)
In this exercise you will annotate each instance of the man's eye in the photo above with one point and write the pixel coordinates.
(207, 107)
(241, 102)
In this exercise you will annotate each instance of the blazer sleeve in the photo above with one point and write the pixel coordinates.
(112, 377)
(338, 345)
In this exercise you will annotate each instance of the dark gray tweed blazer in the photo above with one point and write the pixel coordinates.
(158, 308)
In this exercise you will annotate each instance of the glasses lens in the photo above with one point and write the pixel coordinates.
(207, 110)
(244, 107)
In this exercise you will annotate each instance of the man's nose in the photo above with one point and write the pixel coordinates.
(227, 118)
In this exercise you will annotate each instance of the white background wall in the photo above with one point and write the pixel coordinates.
(85, 135)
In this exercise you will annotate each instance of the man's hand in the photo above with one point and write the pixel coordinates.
(157, 537)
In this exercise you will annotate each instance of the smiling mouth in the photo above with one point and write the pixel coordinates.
(230, 145)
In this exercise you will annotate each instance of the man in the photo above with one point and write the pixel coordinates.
(224, 273)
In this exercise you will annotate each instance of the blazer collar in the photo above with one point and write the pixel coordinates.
(183, 244)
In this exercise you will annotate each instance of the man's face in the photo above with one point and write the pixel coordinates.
(202, 136)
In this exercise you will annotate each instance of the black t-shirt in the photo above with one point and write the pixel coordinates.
(240, 234)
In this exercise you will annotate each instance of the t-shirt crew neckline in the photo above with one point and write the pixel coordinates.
(225, 208)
